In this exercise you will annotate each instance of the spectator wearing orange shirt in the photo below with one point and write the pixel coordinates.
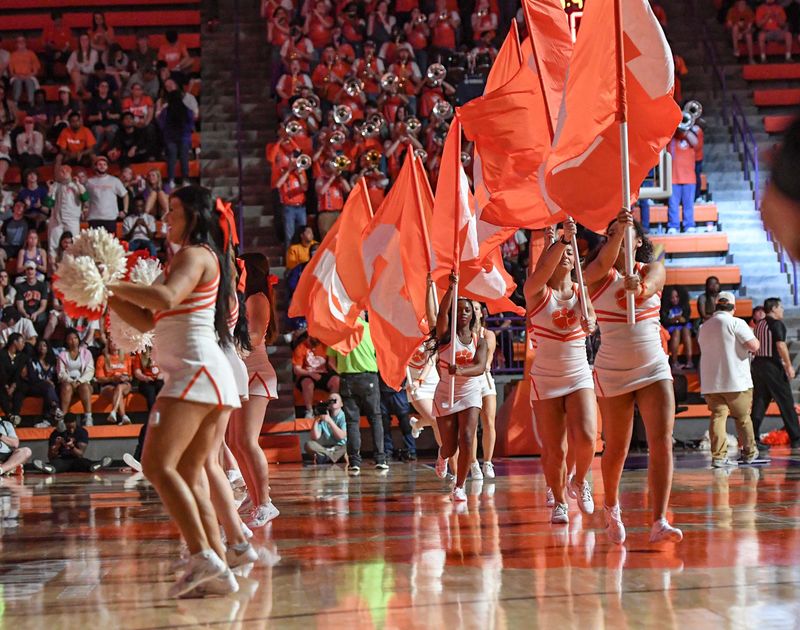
(149, 380)
(444, 25)
(23, 66)
(292, 186)
(332, 189)
(771, 22)
(739, 22)
(328, 76)
(57, 40)
(682, 148)
(299, 251)
(75, 143)
(113, 374)
(290, 84)
(312, 371)
(175, 54)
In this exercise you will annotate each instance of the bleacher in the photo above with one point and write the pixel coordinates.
(776, 92)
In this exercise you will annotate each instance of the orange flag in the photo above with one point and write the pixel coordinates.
(333, 286)
(583, 169)
(507, 63)
(395, 252)
(480, 265)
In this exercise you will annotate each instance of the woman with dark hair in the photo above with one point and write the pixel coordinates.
(75, 369)
(631, 368)
(12, 365)
(40, 380)
(707, 300)
(102, 34)
(675, 314)
(80, 64)
(562, 391)
(177, 123)
(262, 387)
(188, 309)
(458, 423)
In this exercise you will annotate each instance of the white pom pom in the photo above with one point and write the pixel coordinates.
(146, 271)
(104, 249)
(129, 340)
(80, 281)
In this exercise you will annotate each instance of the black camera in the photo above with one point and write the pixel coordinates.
(320, 409)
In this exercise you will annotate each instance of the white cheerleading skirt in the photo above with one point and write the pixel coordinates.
(488, 387)
(239, 370)
(611, 379)
(467, 394)
(427, 390)
(262, 380)
(546, 386)
(194, 366)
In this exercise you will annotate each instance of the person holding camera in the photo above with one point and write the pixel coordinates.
(66, 451)
(328, 441)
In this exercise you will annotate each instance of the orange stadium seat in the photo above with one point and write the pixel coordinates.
(771, 71)
(82, 4)
(190, 40)
(777, 124)
(690, 243)
(766, 98)
(703, 213)
(774, 49)
(744, 308)
(13, 176)
(24, 22)
(696, 276)
(136, 18)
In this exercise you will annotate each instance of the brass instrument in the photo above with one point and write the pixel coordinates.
(342, 114)
(341, 163)
(695, 108)
(389, 82)
(691, 114)
(373, 158)
(422, 154)
(436, 74)
(313, 99)
(293, 128)
(377, 119)
(337, 138)
(466, 158)
(443, 16)
(302, 108)
(353, 87)
(420, 19)
(303, 162)
(369, 130)
(413, 125)
(483, 13)
(443, 110)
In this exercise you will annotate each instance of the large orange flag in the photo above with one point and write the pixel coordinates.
(507, 63)
(333, 287)
(396, 254)
(583, 169)
(476, 244)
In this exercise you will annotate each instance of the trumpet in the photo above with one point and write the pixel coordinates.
(442, 16)
(413, 125)
(443, 110)
(313, 100)
(302, 108)
(436, 74)
(422, 154)
(369, 130)
(691, 114)
(466, 158)
(353, 87)
(372, 158)
(293, 128)
(337, 138)
(342, 114)
(420, 19)
(377, 119)
(389, 82)
(303, 162)
(340, 164)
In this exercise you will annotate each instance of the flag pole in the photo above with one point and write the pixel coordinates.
(425, 235)
(456, 260)
(622, 117)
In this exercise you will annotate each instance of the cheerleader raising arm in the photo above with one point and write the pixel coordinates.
(443, 319)
(536, 284)
(597, 270)
(650, 282)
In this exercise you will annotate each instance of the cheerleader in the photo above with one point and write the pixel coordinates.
(630, 368)
(562, 393)
(188, 308)
(458, 422)
(489, 403)
(262, 387)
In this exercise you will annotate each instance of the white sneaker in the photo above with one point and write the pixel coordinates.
(246, 506)
(458, 495)
(132, 462)
(201, 567)
(582, 495)
(246, 531)
(223, 584)
(125, 420)
(112, 419)
(88, 420)
(691, 230)
(441, 467)
(615, 528)
(549, 500)
(44, 424)
(488, 470)
(671, 231)
(235, 479)
(415, 429)
(262, 515)
(662, 531)
(723, 463)
(560, 515)
(475, 471)
(238, 558)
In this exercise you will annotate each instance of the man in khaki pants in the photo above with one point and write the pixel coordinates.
(725, 382)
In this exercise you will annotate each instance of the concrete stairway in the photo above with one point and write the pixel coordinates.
(733, 194)
(218, 165)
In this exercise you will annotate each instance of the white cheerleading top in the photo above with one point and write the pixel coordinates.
(467, 388)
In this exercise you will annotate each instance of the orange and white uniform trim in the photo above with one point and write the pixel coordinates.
(467, 388)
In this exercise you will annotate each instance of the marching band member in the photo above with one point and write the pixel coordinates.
(562, 393)
(632, 367)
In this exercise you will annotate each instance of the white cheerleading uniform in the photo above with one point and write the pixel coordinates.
(261, 377)
(232, 354)
(488, 386)
(421, 360)
(560, 366)
(467, 388)
(630, 357)
(186, 349)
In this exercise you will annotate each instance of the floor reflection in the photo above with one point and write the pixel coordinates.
(391, 551)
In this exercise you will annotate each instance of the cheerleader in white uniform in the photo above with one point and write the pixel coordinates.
(262, 387)
(562, 393)
(188, 309)
(632, 367)
(458, 422)
(488, 404)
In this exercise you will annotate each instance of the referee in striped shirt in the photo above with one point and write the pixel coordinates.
(772, 371)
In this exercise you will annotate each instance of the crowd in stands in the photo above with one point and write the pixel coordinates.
(762, 22)
(77, 115)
